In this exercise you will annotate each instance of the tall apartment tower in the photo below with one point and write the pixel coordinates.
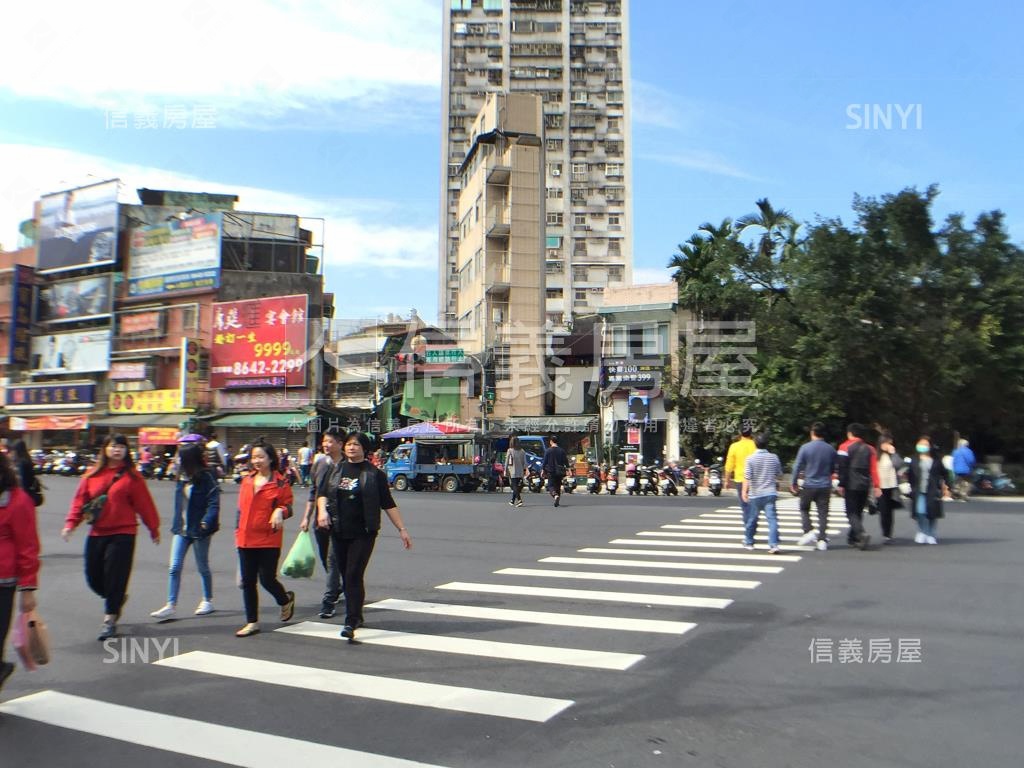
(574, 54)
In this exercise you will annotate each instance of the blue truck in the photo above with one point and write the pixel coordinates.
(439, 463)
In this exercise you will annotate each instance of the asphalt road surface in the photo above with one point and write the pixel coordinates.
(592, 635)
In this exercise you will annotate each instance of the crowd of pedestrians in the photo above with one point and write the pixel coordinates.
(866, 477)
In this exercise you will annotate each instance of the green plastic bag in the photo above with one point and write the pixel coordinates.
(300, 562)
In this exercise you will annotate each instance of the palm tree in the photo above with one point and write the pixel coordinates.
(773, 222)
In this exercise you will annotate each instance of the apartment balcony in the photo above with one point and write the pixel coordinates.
(498, 171)
(499, 278)
(499, 222)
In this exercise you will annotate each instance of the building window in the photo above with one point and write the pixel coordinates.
(553, 293)
(580, 294)
(554, 219)
(555, 318)
(613, 169)
(579, 274)
(554, 267)
(578, 194)
(462, 5)
(614, 248)
(579, 220)
(554, 145)
(620, 341)
(614, 220)
(555, 169)
(555, 193)
(615, 274)
(495, 77)
(492, 5)
(190, 318)
(552, 121)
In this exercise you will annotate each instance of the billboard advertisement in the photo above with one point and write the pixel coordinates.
(78, 228)
(51, 395)
(149, 401)
(75, 352)
(174, 256)
(21, 316)
(259, 343)
(80, 299)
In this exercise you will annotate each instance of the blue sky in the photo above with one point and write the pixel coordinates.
(331, 110)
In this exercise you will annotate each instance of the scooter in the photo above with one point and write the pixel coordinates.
(645, 484)
(569, 483)
(593, 479)
(715, 478)
(612, 483)
(666, 483)
(535, 482)
(690, 481)
(632, 487)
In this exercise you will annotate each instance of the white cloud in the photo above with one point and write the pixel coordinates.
(651, 275)
(255, 60)
(700, 160)
(365, 251)
(651, 105)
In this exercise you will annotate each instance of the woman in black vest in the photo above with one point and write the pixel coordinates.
(350, 503)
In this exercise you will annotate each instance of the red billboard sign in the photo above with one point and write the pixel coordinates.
(259, 343)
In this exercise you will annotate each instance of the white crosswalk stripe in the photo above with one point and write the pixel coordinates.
(449, 697)
(728, 543)
(644, 550)
(730, 535)
(587, 594)
(195, 738)
(700, 525)
(543, 654)
(537, 617)
(639, 578)
(655, 564)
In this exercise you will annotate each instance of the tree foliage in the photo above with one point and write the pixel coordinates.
(892, 322)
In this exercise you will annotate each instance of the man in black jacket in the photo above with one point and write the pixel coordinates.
(321, 469)
(556, 467)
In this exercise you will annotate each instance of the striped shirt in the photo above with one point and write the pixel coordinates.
(760, 473)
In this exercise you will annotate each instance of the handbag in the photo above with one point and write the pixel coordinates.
(93, 508)
(300, 563)
(31, 640)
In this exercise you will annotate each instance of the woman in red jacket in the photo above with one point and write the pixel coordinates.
(110, 546)
(19, 554)
(264, 503)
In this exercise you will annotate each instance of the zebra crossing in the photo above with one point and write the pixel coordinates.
(697, 551)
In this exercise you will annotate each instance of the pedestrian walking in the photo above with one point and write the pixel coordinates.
(889, 466)
(735, 464)
(927, 479)
(264, 503)
(331, 442)
(110, 545)
(816, 460)
(349, 503)
(556, 467)
(25, 471)
(19, 555)
(858, 477)
(515, 470)
(964, 463)
(761, 474)
(196, 518)
(305, 462)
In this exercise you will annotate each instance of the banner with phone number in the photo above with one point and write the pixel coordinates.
(259, 343)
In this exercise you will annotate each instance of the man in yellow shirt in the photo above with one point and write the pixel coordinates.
(736, 462)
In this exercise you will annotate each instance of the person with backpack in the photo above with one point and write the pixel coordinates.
(858, 477)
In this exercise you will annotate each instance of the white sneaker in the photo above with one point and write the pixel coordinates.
(164, 613)
(204, 608)
(822, 545)
(920, 538)
(930, 540)
(808, 538)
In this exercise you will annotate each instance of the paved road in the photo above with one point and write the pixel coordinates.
(591, 635)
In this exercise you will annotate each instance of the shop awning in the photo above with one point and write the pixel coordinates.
(142, 420)
(280, 419)
(543, 425)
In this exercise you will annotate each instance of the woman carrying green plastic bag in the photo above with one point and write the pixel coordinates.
(300, 562)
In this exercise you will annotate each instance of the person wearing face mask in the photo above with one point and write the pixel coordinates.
(110, 546)
(927, 479)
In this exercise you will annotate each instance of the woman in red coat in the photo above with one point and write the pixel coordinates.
(19, 554)
(110, 546)
(264, 503)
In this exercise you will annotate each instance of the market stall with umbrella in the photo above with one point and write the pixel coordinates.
(429, 429)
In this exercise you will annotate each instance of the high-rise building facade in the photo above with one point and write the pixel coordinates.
(574, 54)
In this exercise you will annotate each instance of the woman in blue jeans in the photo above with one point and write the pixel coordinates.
(196, 519)
(927, 479)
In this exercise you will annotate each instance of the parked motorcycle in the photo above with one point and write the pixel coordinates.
(690, 481)
(534, 481)
(569, 483)
(715, 477)
(666, 483)
(632, 486)
(594, 479)
(645, 482)
(985, 483)
(612, 483)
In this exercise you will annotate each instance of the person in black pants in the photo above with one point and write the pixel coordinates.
(556, 467)
(19, 555)
(331, 442)
(889, 466)
(349, 503)
(858, 477)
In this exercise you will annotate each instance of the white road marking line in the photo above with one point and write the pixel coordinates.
(684, 539)
(588, 594)
(658, 564)
(636, 578)
(571, 657)
(536, 709)
(195, 738)
(646, 552)
(537, 617)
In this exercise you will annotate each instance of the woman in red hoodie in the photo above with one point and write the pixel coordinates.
(110, 546)
(19, 554)
(264, 503)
